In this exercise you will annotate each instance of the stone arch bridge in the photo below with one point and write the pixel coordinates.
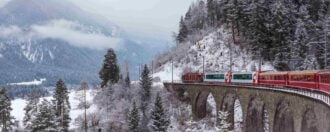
(287, 111)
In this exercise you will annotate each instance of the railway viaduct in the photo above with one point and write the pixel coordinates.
(287, 111)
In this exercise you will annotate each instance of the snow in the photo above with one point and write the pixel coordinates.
(18, 109)
(213, 50)
(1, 56)
(30, 53)
(51, 55)
(74, 112)
(166, 73)
(34, 82)
(19, 104)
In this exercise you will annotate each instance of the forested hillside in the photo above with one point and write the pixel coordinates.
(290, 34)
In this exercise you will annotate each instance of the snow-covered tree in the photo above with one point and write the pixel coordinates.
(109, 72)
(281, 39)
(145, 83)
(145, 94)
(224, 125)
(211, 12)
(127, 80)
(62, 106)
(134, 119)
(310, 63)
(183, 31)
(82, 98)
(299, 49)
(45, 119)
(6, 120)
(159, 120)
(31, 110)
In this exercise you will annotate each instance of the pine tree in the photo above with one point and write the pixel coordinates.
(258, 21)
(45, 119)
(6, 120)
(31, 110)
(281, 39)
(158, 116)
(110, 69)
(183, 31)
(62, 106)
(127, 80)
(299, 48)
(145, 83)
(211, 12)
(134, 119)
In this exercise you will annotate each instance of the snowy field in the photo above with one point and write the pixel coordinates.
(19, 104)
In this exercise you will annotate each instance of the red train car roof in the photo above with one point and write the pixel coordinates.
(324, 72)
(273, 73)
(304, 72)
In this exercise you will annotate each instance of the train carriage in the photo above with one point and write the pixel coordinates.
(312, 80)
(273, 78)
(217, 77)
(244, 77)
(324, 81)
(304, 79)
(192, 77)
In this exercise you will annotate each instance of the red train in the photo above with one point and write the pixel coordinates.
(313, 80)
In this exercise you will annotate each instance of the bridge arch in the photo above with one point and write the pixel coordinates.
(283, 120)
(228, 104)
(254, 121)
(309, 121)
(203, 106)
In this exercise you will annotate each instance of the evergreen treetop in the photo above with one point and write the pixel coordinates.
(62, 106)
(158, 116)
(127, 80)
(6, 120)
(145, 83)
(45, 118)
(134, 119)
(109, 72)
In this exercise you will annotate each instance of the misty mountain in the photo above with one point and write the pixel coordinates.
(55, 39)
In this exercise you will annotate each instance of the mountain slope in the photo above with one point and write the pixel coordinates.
(214, 49)
(55, 39)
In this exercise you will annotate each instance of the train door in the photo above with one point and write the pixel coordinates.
(228, 77)
(255, 78)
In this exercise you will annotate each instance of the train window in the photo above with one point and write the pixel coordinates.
(243, 76)
(262, 77)
(325, 78)
(215, 76)
(306, 78)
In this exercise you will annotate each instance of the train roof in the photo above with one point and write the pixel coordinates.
(216, 72)
(243, 72)
(273, 73)
(305, 72)
(309, 72)
(324, 72)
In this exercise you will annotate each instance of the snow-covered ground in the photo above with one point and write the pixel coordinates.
(74, 113)
(34, 82)
(19, 104)
(212, 51)
(18, 109)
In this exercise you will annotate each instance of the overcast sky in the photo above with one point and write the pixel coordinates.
(147, 16)
(156, 18)
(3, 2)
